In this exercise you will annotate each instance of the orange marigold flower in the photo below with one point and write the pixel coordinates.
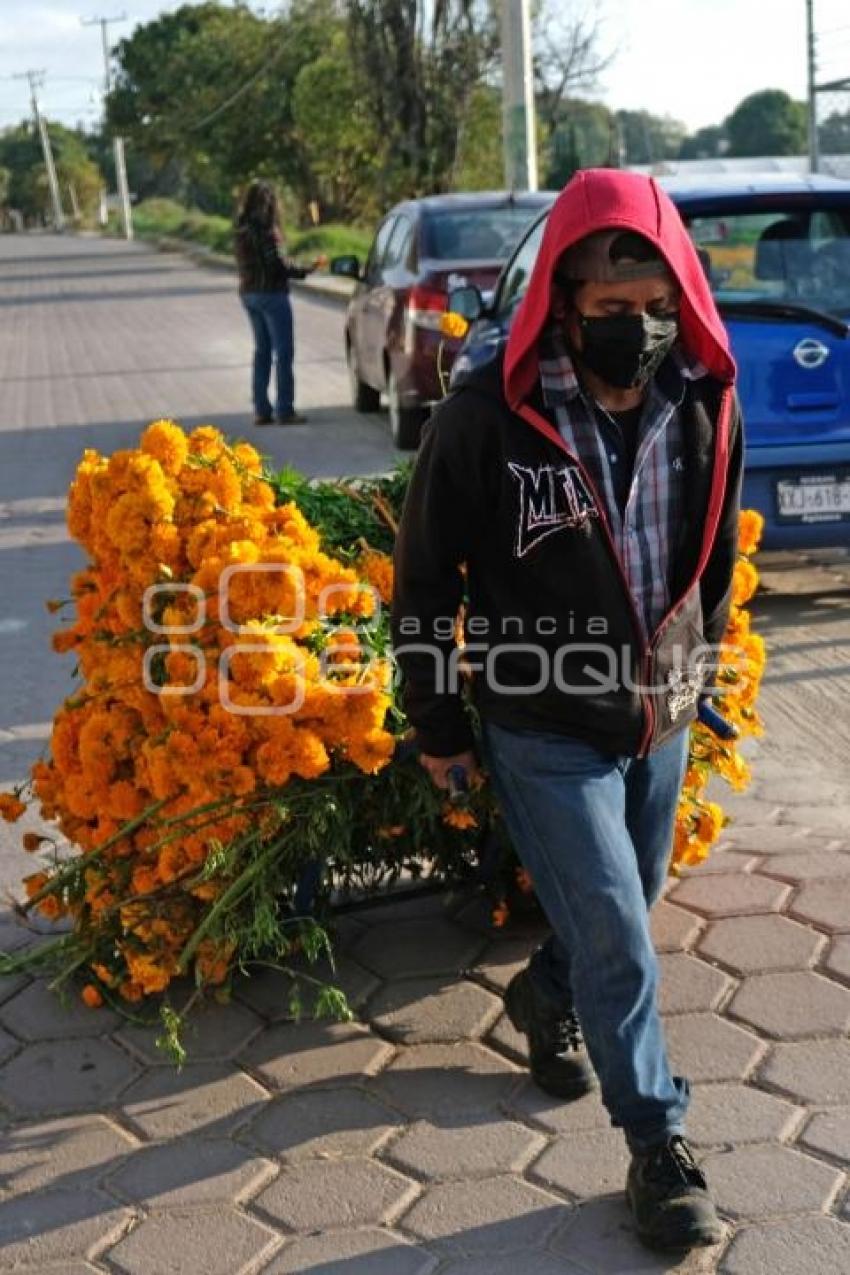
(91, 996)
(11, 807)
(500, 914)
(744, 582)
(31, 841)
(458, 817)
(750, 527)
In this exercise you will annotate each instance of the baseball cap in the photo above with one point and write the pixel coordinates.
(591, 260)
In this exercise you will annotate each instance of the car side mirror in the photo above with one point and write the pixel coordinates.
(467, 302)
(348, 266)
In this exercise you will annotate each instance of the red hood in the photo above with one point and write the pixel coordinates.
(601, 199)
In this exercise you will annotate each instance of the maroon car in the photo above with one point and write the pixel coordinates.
(423, 249)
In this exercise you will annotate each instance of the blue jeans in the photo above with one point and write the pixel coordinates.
(595, 832)
(271, 318)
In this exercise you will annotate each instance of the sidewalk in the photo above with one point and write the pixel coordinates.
(411, 1142)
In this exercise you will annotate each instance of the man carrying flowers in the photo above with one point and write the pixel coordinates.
(589, 483)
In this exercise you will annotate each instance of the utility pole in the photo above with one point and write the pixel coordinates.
(814, 155)
(520, 140)
(118, 142)
(36, 79)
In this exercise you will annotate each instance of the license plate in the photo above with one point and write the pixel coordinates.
(820, 498)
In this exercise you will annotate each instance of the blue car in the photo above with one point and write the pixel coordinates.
(777, 251)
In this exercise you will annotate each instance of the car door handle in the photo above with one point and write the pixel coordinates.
(812, 402)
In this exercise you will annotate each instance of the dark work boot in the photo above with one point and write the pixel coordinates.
(557, 1057)
(668, 1196)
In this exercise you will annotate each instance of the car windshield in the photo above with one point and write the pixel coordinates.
(793, 255)
(472, 234)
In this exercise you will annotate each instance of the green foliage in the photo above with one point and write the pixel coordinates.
(27, 188)
(834, 133)
(705, 143)
(156, 218)
(767, 123)
(336, 131)
(648, 138)
(479, 163)
(584, 136)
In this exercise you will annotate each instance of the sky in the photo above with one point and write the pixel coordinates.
(693, 59)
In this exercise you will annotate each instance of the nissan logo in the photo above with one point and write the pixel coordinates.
(811, 353)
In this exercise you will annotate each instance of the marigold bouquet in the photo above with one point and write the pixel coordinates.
(234, 750)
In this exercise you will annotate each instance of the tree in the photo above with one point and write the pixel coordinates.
(419, 62)
(21, 155)
(767, 123)
(568, 59)
(648, 138)
(585, 136)
(705, 143)
(336, 132)
(834, 134)
(479, 160)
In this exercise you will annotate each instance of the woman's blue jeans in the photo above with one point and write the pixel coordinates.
(271, 318)
(595, 832)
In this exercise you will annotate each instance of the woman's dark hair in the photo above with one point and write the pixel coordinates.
(259, 205)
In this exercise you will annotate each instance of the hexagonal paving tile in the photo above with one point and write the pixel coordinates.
(585, 1165)
(600, 1237)
(759, 1181)
(434, 1081)
(554, 1115)
(688, 984)
(417, 1011)
(60, 1076)
(8, 1045)
(464, 1149)
(204, 1098)
(751, 944)
(814, 1245)
(268, 991)
(533, 1264)
(801, 791)
(828, 1132)
(824, 903)
(792, 1005)
(315, 1052)
(421, 946)
(837, 961)
(37, 1013)
(732, 894)
(365, 1252)
(829, 815)
(73, 1152)
(323, 1123)
(220, 1241)
(705, 1047)
(317, 1195)
(212, 1032)
(734, 1113)
(773, 839)
(673, 929)
(722, 859)
(809, 866)
(504, 1038)
(188, 1171)
(490, 1215)
(501, 960)
(814, 1070)
(57, 1226)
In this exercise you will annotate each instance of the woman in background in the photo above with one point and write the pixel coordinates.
(264, 274)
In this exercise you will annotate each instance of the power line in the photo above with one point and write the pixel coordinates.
(240, 92)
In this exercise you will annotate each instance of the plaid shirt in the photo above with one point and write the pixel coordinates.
(647, 529)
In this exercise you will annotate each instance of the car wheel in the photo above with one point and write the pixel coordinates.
(363, 397)
(405, 422)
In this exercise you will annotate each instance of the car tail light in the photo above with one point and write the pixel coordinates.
(425, 306)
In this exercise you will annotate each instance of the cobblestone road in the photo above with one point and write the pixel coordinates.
(408, 1143)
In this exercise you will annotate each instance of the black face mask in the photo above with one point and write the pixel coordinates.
(626, 350)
